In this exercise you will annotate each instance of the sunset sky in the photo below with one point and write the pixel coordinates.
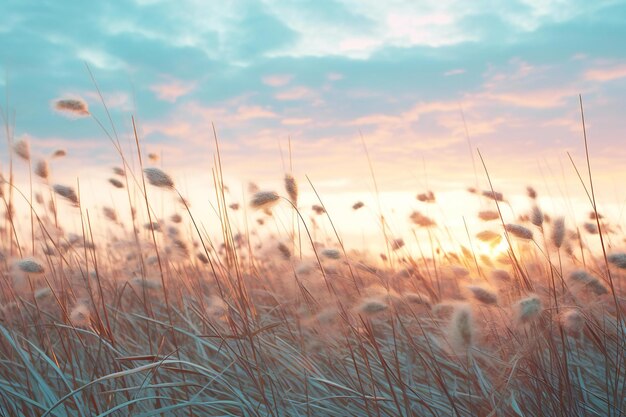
(401, 73)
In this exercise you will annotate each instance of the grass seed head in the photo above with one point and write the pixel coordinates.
(158, 177)
(262, 200)
(75, 107)
(618, 259)
(292, 189)
(421, 220)
(484, 295)
(519, 231)
(22, 149)
(331, 253)
(558, 232)
(487, 215)
(461, 331)
(527, 309)
(116, 183)
(30, 266)
(67, 193)
(41, 169)
(536, 216)
(357, 205)
(372, 306)
(80, 315)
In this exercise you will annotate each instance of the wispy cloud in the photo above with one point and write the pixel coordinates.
(608, 73)
(277, 80)
(172, 89)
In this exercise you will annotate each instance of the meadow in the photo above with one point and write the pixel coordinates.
(274, 318)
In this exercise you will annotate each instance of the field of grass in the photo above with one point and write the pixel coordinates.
(161, 318)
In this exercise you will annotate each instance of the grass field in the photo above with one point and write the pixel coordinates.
(161, 318)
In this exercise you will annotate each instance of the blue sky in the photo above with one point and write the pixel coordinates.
(402, 73)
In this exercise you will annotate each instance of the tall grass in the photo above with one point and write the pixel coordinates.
(168, 319)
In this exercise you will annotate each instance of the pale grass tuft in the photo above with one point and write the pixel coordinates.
(501, 275)
(527, 309)
(41, 293)
(22, 149)
(490, 237)
(66, 192)
(80, 315)
(158, 178)
(519, 231)
(30, 266)
(147, 283)
(264, 200)
(588, 281)
(461, 331)
(217, 307)
(558, 232)
(483, 294)
(572, 321)
(417, 298)
(292, 189)
(372, 306)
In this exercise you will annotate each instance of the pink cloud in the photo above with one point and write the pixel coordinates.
(277, 80)
(295, 121)
(606, 74)
(295, 93)
(537, 99)
(173, 89)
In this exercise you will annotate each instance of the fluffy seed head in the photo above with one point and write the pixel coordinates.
(41, 293)
(487, 215)
(397, 244)
(116, 183)
(264, 200)
(558, 231)
(110, 213)
(618, 259)
(417, 298)
(22, 149)
(461, 328)
(66, 192)
(292, 189)
(372, 306)
(147, 283)
(490, 237)
(319, 210)
(591, 228)
(41, 169)
(158, 178)
(536, 216)
(427, 197)
(572, 321)
(501, 275)
(357, 205)
(531, 192)
(421, 220)
(80, 315)
(76, 107)
(494, 195)
(528, 308)
(519, 231)
(284, 251)
(30, 266)
(119, 171)
(59, 153)
(484, 295)
(331, 253)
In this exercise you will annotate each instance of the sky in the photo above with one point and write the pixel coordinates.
(422, 84)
